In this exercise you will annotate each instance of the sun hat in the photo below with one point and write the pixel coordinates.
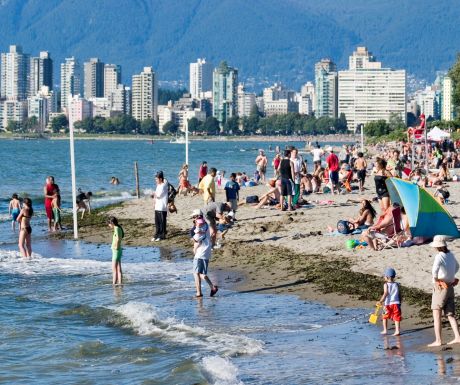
(439, 241)
(390, 272)
(196, 213)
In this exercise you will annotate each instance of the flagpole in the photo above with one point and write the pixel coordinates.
(72, 170)
(186, 143)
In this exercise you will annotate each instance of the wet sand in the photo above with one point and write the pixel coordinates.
(281, 252)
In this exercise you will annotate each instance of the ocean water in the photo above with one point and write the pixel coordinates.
(61, 321)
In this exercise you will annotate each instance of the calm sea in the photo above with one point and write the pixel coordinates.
(61, 321)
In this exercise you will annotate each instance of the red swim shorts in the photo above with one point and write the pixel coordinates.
(392, 312)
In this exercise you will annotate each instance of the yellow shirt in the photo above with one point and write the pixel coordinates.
(207, 184)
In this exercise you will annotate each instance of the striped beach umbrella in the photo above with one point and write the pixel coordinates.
(427, 217)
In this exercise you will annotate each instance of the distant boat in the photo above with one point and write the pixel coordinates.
(178, 140)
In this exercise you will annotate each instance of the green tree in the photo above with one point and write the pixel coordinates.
(14, 126)
(31, 124)
(149, 127)
(231, 126)
(170, 128)
(454, 74)
(395, 122)
(194, 125)
(165, 95)
(377, 128)
(341, 124)
(211, 126)
(59, 123)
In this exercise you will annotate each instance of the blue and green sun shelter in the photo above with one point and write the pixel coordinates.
(427, 217)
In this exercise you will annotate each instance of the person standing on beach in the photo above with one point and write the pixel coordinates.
(202, 253)
(232, 192)
(317, 154)
(392, 301)
(117, 251)
(14, 208)
(286, 171)
(333, 165)
(48, 190)
(203, 171)
(261, 163)
(297, 163)
(208, 186)
(445, 266)
(361, 167)
(213, 212)
(25, 232)
(161, 206)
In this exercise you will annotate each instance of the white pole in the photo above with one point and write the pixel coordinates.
(186, 144)
(362, 138)
(74, 183)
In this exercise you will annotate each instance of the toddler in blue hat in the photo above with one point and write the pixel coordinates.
(391, 301)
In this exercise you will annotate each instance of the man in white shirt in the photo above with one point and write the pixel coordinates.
(317, 154)
(445, 266)
(161, 206)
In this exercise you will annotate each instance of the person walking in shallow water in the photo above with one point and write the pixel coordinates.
(25, 234)
(14, 208)
(445, 266)
(117, 251)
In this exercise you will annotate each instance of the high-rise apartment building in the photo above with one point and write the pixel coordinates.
(307, 99)
(224, 92)
(121, 100)
(145, 95)
(427, 102)
(78, 109)
(14, 74)
(279, 100)
(246, 101)
(70, 81)
(41, 73)
(94, 78)
(362, 58)
(326, 89)
(112, 78)
(42, 105)
(200, 78)
(368, 92)
(447, 107)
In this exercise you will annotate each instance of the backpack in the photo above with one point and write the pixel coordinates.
(252, 199)
(344, 227)
(172, 192)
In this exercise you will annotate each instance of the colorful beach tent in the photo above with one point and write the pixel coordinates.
(427, 217)
(437, 134)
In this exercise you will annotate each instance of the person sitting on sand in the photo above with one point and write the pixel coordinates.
(416, 176)
(317, 178)
(272, 197)
(443, 175)
(366, 216)
(383, 225)
(445, 266)
(392, 301)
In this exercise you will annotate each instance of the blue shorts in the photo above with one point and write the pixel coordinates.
(222, 227)
(200, 266)
(15, 214)
(334, 177)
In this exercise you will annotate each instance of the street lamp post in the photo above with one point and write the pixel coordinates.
(74, 182)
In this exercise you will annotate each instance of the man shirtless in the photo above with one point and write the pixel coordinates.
(261, 162)
(361, 166)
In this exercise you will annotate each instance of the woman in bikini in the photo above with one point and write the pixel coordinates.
(380, 186)
(366, 216)
(25, 239)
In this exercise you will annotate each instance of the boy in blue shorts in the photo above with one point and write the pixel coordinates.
(232, 192)
(14, 209)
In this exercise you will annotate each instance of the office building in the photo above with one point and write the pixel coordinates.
(326, 89)
(368, 92)
(14, 74)
(225, 95)
(145, 95)
(41, 73)
(112, 78)
(94, 79)
(200, 78)
(70, 81)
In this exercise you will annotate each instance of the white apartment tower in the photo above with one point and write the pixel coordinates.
(70, 81)
(41, 73)
(307, 99)
(326, 89)
(246, 101)
(447, 107)
(14, 74)
(200, 78)
(112, 78)
(368, 92)
(121, 99)
(94, 78)
(145, 95)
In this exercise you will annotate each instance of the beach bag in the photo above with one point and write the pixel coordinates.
(252, 199)
(445, 194)
(344, 227)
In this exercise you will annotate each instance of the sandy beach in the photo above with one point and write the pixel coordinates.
(283, 252)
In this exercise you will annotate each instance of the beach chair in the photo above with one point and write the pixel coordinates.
(385, 241)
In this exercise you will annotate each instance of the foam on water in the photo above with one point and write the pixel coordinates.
(220, 371)
(145, 320)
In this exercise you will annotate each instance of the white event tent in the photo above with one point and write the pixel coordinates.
(437, 134)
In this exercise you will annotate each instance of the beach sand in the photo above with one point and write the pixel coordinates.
(272, 251)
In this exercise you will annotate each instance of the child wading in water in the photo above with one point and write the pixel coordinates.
(392, 301)
(56, 206)
(202, 249)
(118, 235)
(13, 210)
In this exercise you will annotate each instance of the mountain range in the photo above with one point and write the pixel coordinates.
(267, 40)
